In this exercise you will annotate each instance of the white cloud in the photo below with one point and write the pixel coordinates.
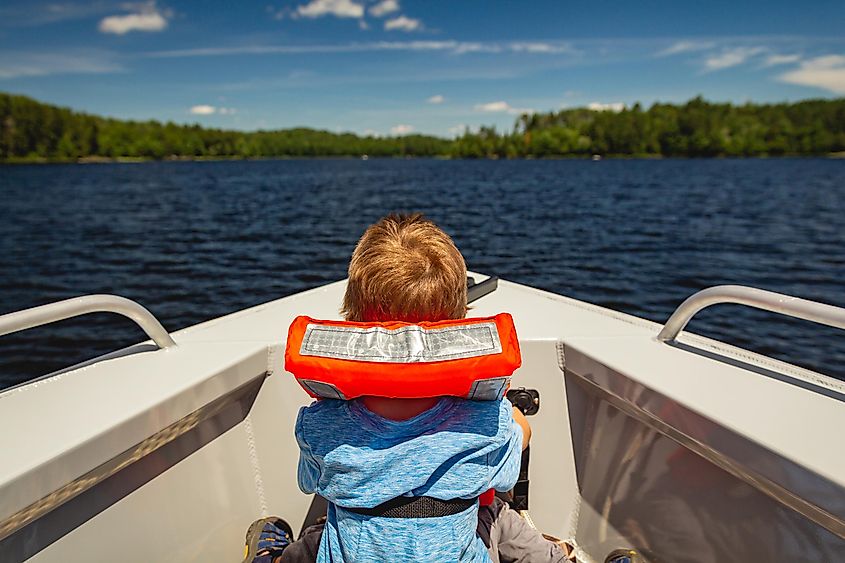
(205, 109)
(458, 130)
(371, 133)
(337, 8)
(472, 47)
(403, 23)
(24, 15)
(540, 47)
(449, 46)
(731, 57)
(147, 18)
(827, 73)
(383, 8)
(684, 47)
(436, 99)
(493, 106)
(598, 106)
(362, 24)
(401, 129)
(16, 64)
(501, 107)
(773, 60)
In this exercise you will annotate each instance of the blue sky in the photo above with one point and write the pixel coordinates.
(398, 66)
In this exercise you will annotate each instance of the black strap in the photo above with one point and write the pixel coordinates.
(416, 507)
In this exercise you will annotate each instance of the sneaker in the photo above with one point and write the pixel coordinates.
(266, 539)
(624, 556)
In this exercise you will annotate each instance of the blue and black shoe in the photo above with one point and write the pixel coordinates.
(266, 539)
(624, 556)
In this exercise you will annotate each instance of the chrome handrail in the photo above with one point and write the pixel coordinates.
(60, 310)
(752, 297)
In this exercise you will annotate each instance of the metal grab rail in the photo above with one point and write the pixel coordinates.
(45, 314)
(752, 297)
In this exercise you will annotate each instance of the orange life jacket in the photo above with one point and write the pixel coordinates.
(468, 358)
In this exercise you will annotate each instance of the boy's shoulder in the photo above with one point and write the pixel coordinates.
(446, 407)
(449, 414)
(323, 406)
(320, 412)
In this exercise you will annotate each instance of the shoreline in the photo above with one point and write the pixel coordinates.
(144, 160)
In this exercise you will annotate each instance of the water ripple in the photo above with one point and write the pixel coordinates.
(192, 241)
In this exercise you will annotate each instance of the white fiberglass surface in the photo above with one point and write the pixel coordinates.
(669, 459)
(262, 457)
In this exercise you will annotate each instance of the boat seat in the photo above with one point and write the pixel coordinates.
(318, 508)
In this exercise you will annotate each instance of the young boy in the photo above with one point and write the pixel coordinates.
(362, 453)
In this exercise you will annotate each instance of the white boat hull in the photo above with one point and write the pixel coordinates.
(690, 452)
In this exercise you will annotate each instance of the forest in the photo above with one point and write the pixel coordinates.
(31, 131)
(695, 129)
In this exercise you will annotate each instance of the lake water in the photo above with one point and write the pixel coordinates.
(193, 241)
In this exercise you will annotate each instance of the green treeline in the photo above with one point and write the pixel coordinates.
(32, 131)
(695, 129)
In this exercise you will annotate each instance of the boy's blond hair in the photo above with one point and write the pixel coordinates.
(405, 268)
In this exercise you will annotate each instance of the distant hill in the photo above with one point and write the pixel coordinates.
(32, 131)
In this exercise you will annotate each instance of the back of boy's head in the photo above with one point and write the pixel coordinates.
(405, 268)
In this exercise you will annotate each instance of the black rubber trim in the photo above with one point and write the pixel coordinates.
(476, 291)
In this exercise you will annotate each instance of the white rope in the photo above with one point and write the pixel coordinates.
(256, 468)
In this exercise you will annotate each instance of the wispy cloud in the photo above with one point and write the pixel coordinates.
(501, 107)
(336, 8)
(540, 47)
(773, 60)
(402, 129)
(493, 106)
(827, 73)
(730, 57)
(436, 99)
(25, 15)
(145, 17)
(410, 75)
(403, 23)
(680, 47)
(16, 64)
(204, 109)
(465, 47)
(615, 107)
(383, 8)
(449, 46)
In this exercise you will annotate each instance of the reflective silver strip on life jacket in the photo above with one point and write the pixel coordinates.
(405, 345)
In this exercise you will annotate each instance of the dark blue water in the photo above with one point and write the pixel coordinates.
(192, 241)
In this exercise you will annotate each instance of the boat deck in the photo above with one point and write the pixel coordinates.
(206, 432)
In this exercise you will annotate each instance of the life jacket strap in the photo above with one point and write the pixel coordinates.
(416, 507)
